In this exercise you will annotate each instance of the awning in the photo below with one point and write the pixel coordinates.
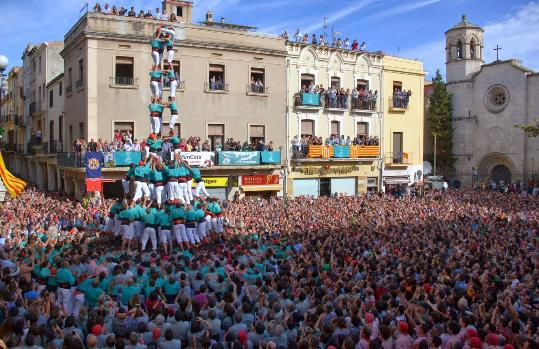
(271, 187)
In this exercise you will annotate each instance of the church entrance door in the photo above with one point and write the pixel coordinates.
(501, 173)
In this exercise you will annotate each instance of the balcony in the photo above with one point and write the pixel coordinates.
(398, 104)
(364, 106)
(253, 90)
(398, 159)
(69, 89)
(50, 147)
(35, 108)
(79, 84)
(216, 87)
(343, 152)
(123, 82)
(307, 101)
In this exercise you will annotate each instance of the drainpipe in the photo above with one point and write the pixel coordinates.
(382, 137)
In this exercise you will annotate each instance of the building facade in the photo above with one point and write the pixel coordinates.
(107, 60)
(317, 114)
(403, 105)
(488, 101)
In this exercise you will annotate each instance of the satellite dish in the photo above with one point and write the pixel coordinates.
(427, 167)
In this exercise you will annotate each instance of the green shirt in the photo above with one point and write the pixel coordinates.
(177, 212)
(128, 292)
(171, 288)
(165, 221)
(156, 74)
(154, 143)
(174, 140)
(157, 175)
(200, 214)
(191, 215)
(142, 171)
(151, 217)
(156, 43)
(92, 294)
(195, 173)
(127, 214)
(114, 209)
(156, 107)
(64, 276)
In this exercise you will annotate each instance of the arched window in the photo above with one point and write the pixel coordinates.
(472, 49)
(459, 49)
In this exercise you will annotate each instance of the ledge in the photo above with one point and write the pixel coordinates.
(217, 92)
(124, 87)
(309, 160)
(257, 94)
(363, 111)
(398, 110)
(177, 89)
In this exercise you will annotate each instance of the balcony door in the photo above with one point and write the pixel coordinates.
(397, 147)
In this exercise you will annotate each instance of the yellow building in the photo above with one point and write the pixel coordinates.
(402, 139)
(314, 110)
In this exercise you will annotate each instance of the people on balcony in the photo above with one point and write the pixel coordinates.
(401, 98)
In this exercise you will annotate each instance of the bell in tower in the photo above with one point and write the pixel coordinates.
(464, 50)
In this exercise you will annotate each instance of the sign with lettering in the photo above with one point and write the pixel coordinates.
(260, 179)
(214, 182)
(199, 158)
(325, 170)
(228, 158)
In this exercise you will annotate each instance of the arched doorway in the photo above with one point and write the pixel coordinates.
(501, 173)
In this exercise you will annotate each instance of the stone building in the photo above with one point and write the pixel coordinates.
(488, 101)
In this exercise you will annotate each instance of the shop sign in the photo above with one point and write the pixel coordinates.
(260, 180)
(325, 170)
(214, 182)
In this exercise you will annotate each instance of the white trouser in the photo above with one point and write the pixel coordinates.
(149, 232)
(156, 192)
(180, 233)
(155, 57)
(220, 228)
(127, 231)
(173, 86)
(63, 297)
(164, 235)
(139, 229)
(170, 56)
(208, 223)
(141, 188)
(173, 120)
(184, 192)
(174, 153)
(200, 187)
(77, 301)
(156, 124)
(116, 228)
(190, 189)
(154, 86)
(214, 224)
(201, 230)
(191, 235)
(175, 192)
(125, 185)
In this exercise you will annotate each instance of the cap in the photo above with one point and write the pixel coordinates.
(475, 342)
(403, 327)
(471, 332)
(141, 163)
(152, 136)
(97, 330)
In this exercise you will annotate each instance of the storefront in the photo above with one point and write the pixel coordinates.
(330, 179)
(260, 185)
(216, 186)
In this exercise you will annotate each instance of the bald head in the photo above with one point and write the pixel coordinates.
(91, 341)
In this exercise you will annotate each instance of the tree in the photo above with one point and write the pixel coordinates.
(440, 123)
(532, 130)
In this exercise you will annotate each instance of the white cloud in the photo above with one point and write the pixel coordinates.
(335, 16)
(517, 34)
(399, 10)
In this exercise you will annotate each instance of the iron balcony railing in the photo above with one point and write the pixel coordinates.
(399, 158)
(253, 89)
(124, 81)
(215, 87)
(79, 83)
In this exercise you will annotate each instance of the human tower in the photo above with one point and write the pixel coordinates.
(163, 205)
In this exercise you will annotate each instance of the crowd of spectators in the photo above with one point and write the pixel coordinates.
(321, 40)
(334, 97)
(401, 98)
(447, 270)
(122, 11)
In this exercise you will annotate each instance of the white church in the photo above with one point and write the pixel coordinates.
(488, 100)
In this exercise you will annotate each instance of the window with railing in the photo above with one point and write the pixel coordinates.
(124, 69)
(216, 135)
(69, 89)
(257, 134)
(335, 128)
(79, 83)
(216, 78)
(257, 84)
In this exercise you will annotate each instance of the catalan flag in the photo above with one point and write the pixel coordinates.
(13, 184)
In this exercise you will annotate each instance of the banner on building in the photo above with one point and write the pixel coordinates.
(228, 158)
(126, 158)
(109, 159)
(270, 157)
(310, 98)
(214, 182)
(340, 151)
(94, 161)
(260, 179)
(93, 184)
(199, 158)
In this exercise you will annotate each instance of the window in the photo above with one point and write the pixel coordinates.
(44, 91)
(306, 80)
(71, 140)
(362, 85)
(459, 49)
(307, 128)
(472, 49)
(217, 77)
(61, 129)
(81, 69)
(397, 147)
(39, 65)
(256, 134)
(179, 11)
(39, 93)
(362, 128)
(397, 86)
(51, 95)
(257, 83)
(51, 132)
(125, 126)
(216, 135)
(124, 71)
(60, 87)
(33, 64)
(336, 81)
(335, 128)
(81, 129)
(496, 98)
(69, 77)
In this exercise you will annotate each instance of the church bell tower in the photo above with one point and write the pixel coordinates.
(463, 50)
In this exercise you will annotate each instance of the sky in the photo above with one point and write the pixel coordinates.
(408, 28)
